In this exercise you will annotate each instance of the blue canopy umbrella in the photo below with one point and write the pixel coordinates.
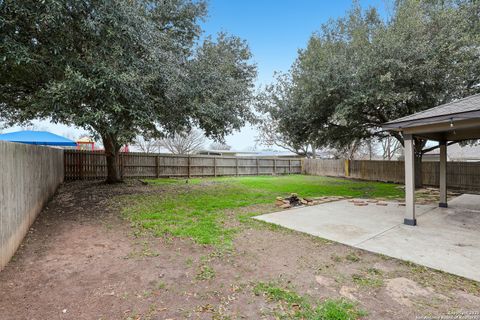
(43, 138)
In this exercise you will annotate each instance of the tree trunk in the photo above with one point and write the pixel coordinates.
(112, 152)
(419, 145)
(314, 152)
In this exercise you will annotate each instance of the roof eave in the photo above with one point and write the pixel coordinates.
(400, 125)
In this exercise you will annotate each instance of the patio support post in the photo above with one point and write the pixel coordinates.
(443, 175)
(409, 181)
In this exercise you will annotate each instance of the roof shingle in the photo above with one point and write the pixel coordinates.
(468, 104)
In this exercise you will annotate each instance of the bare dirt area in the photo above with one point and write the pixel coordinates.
(83, 260)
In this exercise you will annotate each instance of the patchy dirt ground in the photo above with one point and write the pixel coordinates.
(82, 260)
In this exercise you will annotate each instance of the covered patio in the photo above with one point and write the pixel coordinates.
(448, 123)
(447, 237)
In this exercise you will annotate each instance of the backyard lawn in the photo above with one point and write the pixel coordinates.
(201, 209)
(188, 249)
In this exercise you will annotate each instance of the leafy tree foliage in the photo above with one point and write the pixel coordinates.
(121, 68)
(360, 71)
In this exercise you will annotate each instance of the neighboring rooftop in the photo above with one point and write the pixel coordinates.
(248, 153)
(457, 152)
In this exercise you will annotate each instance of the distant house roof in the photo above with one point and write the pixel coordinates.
(217, 152)
(459, 153)
(465, 108)
(248, 153)
(44, 138)
(274, 154)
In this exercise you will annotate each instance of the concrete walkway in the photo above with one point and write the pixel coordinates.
(446, 239)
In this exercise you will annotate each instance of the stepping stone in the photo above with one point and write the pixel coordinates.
(360, 204)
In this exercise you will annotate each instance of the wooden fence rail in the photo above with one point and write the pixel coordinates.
(84, 165)
(460, 175)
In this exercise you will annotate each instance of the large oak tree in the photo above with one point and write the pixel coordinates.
(121, 68)
(362, 70)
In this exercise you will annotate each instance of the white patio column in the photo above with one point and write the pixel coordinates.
(409, 181)
(443, 175)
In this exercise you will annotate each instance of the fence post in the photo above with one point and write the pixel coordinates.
(81, 162)
(347, 168)
(188, 168)
(289, 166)
(64, 165)
(257, 167)
(302, 167)
(236, 166)
(157, 167)
(122, 166)
(214, 166)
(274, 166)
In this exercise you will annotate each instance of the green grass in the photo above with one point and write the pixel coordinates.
(372, 278)
(303, 185)
(352, 257)
(295, 306)
(197, 209)
(205, 273)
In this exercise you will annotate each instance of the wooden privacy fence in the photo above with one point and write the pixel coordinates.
(460, 175)
(83, 165)
(317, 167)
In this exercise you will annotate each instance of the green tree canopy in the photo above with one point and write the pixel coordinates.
(121, 68)
(360, 71)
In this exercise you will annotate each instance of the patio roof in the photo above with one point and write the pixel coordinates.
(454, 121)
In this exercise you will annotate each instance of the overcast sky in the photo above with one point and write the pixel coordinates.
(274, 30)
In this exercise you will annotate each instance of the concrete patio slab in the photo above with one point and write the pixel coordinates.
(446, 239)
(342, 221)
